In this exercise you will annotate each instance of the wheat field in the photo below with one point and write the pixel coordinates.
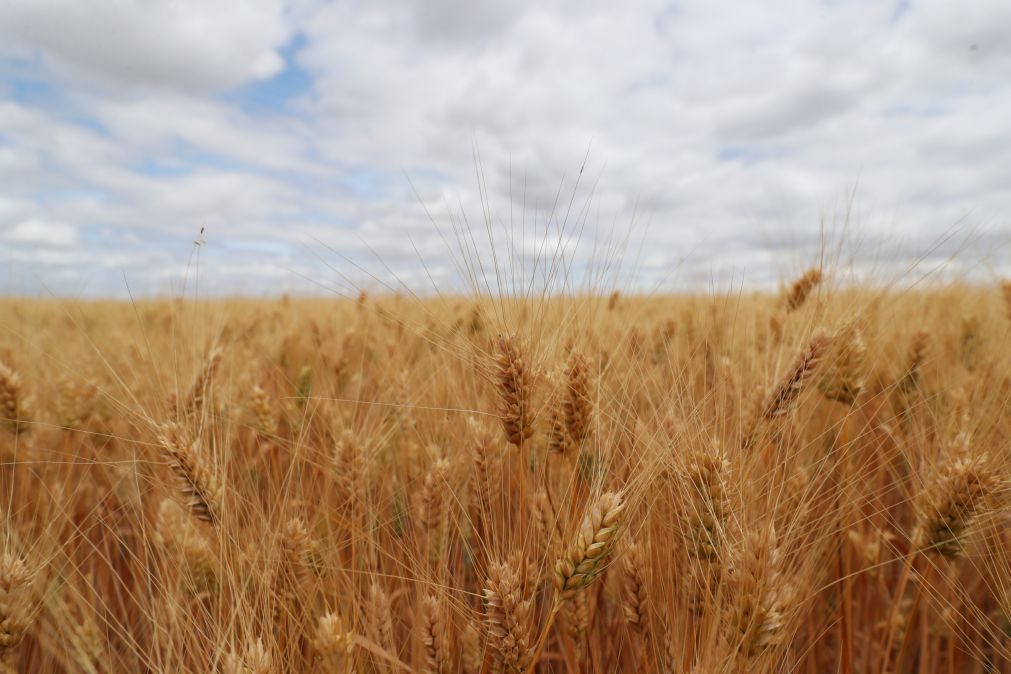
(810, 481)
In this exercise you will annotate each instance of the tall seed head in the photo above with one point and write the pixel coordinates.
(842, 379)
(963, 487)
(785, 394)
(435, 636)
(707, 500)
(801, 288)
(198, 478)
(593, 544)
(508, 620)
(760, 594)
(514, 387)
(635, 594)
(578, 404)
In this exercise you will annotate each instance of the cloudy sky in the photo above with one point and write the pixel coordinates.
(330, 145)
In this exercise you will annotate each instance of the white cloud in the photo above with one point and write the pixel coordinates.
(41, 232)
(185, 44)
(718, 131)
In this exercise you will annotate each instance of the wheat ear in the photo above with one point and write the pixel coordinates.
(784, 395)
(514, 391)
(199, 481)
(593, 544)
(507, 617)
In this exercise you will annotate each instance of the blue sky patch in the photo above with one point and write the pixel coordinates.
(279, 92)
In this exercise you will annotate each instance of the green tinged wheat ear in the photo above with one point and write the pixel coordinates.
(780, 401)
(199, 481)
(592, 546)
(508, 618)
(514, 386)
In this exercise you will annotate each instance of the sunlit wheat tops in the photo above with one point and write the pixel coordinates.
(514, 391)
(368, 493)
(592, 545)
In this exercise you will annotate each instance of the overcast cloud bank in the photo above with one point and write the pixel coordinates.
(324, 146)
